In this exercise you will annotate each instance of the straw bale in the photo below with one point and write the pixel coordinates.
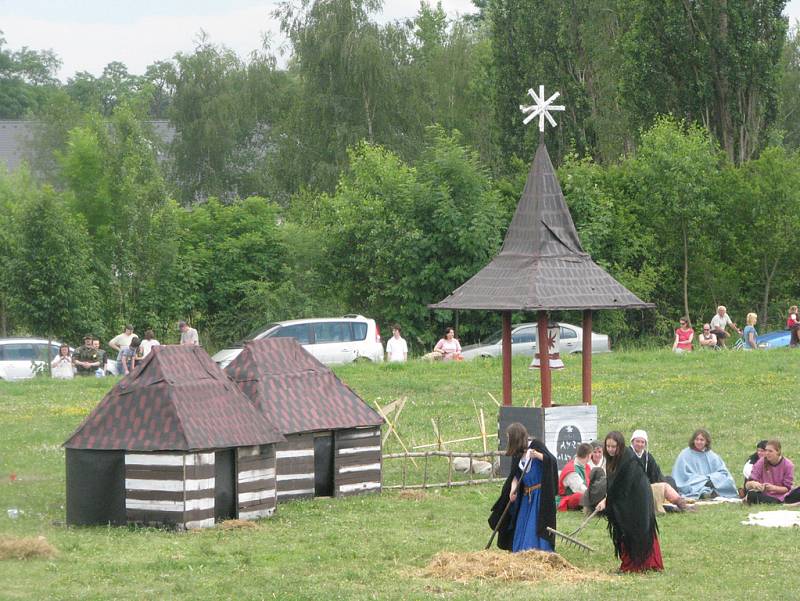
(26, 548)
(527, 566)
(237, 524)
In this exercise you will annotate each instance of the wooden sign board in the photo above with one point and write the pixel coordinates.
(561, 428)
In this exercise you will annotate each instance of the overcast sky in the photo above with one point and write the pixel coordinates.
(89, 34)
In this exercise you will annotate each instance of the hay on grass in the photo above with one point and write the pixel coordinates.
(527, 566)
(412, 495)
(237, 525)
(26, 548)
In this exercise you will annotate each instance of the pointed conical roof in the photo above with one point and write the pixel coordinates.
(177, 399)
(295, 391)
(542, 265)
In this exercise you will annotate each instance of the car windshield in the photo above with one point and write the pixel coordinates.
(255, 334)
(494, 338)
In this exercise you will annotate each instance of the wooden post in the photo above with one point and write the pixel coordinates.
(543, 348)
(586, 358)
(507, 358)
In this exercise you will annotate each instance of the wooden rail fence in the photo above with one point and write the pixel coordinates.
(425, 455)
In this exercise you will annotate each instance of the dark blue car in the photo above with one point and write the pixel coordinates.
(773, 339)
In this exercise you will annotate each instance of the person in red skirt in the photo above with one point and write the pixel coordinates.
(629, 508)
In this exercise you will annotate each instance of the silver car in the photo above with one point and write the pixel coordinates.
(523, 342)
(21, 358)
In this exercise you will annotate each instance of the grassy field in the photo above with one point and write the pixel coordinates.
(376, 547)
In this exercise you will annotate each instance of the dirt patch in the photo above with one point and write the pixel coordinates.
(528, 566)
(26, 548)
(237, 525)
(412, 495)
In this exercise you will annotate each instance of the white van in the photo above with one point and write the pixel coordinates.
(332, 340)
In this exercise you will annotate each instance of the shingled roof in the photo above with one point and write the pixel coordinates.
(295, 391)
(178, 399)
(542, 265)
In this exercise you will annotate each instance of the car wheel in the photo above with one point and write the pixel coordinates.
(362, 360)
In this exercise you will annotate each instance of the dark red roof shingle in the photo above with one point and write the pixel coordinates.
(176, 399)
(295, 391)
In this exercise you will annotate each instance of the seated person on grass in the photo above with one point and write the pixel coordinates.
(574, 479)
(708, 339)
(596, 459)
(663, 486)
(761, 448)
(772, 476)
(700, 473)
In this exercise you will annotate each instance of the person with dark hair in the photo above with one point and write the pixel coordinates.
(761, 447)
(448, 346)
(61, 366)
(683, 337)
(596, 458)
(148, 342)
(396, 347)
(574, 479)
(128, 356)
(793, 325)
(533, 492)
(772, 477)
(85, 358)
(102, 357)
(517, 437)
(628, 506)
(700, 473)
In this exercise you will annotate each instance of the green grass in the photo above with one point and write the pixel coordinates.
(375, 547)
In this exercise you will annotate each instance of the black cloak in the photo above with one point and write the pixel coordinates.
(547, 500)
(629, 508)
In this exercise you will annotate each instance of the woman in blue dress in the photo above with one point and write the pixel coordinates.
(533, 490)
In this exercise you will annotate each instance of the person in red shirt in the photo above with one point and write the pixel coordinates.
(793, 325)
(683, 337)
(574, 479)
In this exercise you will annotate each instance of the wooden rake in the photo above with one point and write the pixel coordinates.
(571, 537)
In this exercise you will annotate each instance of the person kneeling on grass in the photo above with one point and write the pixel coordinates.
(700, 473)
(771, 478)
(574, 479)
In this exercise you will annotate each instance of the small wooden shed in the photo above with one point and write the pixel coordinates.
(174, 443)
(333, 438)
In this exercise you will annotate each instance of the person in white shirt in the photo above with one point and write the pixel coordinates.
(61, 365)
(148, 342)
(720, 322)
(119, 343)
(396, 347)
(188, 335)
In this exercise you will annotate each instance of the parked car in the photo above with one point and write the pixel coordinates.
(22, 358)
(772, 340)
(523, 342)
(332, 340)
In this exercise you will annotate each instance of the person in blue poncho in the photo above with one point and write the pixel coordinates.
(700, 473)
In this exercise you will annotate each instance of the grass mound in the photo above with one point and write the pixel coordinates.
(26, 548)
(528, 566)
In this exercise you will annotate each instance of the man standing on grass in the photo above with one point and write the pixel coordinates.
(119, 343)
(189, 335)
(85, 358)
(396, 347)
(102, 357)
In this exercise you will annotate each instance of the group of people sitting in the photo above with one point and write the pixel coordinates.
(624, 482)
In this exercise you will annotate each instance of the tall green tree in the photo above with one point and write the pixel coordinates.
(52, 269)
(27, 78)
(715, 63)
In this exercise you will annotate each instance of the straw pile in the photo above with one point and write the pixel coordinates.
(26, 548)
(528, 566)
(237, 524)
(411, 494)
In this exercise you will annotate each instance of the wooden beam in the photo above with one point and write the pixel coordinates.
(543, 348)
(507, 358)
(586, 359)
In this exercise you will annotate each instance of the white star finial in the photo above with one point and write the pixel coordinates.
(541, 109)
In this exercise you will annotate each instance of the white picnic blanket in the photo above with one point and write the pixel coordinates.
(782, 518)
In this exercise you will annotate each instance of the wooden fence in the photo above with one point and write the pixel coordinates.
(450, 455)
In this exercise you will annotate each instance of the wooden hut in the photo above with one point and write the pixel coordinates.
(174, 443)
(542, 267)
(333, 438)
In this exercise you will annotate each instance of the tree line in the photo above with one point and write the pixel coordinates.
(379, 169)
